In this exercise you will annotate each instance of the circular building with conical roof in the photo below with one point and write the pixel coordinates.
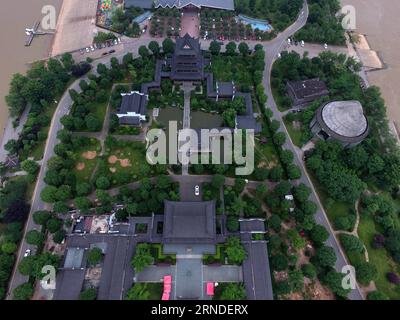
(343, 121)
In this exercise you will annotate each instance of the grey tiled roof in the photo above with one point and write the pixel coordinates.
(248, 122)
(134, 102)
(308, 88)
(256, 272)
(218, 4)
(189, 222)
(145, 4)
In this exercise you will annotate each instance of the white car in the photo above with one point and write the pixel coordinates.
(302, 43)
(92, 48)
(325, 46)
(196, 190)
(27, 253)
(87, 50)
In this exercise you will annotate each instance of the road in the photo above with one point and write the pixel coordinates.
(272, 48)
(271, 52)
(63, 108)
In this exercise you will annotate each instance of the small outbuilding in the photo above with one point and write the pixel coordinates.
(343, 121)
(306, 91)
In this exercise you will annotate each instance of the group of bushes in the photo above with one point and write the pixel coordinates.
(38, 88)
(165, 21)
(148, 198)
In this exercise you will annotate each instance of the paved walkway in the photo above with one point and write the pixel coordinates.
(187, 89)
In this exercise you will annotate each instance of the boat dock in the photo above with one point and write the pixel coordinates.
(34, 31)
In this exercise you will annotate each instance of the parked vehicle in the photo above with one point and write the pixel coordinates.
(196, 190)
(27, 253)
(111, 51)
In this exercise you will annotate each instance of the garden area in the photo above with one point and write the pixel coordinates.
(342, 176)
(86, 160)
(280, 13)
(112, 15)
(165, 22)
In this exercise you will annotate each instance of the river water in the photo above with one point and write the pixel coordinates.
(379, 21)
(15, 16)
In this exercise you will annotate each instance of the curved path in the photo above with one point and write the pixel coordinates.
(272, 48)
(271, 52)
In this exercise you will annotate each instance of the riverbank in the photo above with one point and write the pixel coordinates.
(15, 16)
(378, 22)
(76, 26)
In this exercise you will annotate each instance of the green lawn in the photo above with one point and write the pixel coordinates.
(336, 209)
(85, 174)
(295, 134)
(378, 257)
(156, 290)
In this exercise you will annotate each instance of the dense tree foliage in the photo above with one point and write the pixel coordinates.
(323, 25)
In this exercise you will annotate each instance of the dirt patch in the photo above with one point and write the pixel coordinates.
(89, 155)
(80, 166)
(262, 164)
(125, 163)
(112, 159)
(271, 164)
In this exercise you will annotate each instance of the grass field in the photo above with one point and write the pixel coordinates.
(336, 209)
(295, 134)
(89, 165)
(128, 158)
(378, 257)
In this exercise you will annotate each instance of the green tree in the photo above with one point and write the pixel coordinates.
(333, 280)
(103, 183)
(139, 291)
(234, 250)
(30, 166)
(319, 234)
(279, 262)
(54, 224)
(49, 194)
(83, 189)
(41, 217)
(142, 257)
(275, 223)
(309, 271)
(301, 192)
(325, 257)
(377, 295)
(9, 247)
(232, 224)
(23, 292)
(94, 256)
(88, 294)
(231, 48)
(35, 237)
(154, 47)
(366, 272)
(144, 52)
(293, 172)
(243, 48)
(279, 138)
(233, 291)
(215, 47)
(168, 46)
(218, 181)
(351, 243)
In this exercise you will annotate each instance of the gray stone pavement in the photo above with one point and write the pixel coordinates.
(222, 274)
(189, 279)
(156, 274)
